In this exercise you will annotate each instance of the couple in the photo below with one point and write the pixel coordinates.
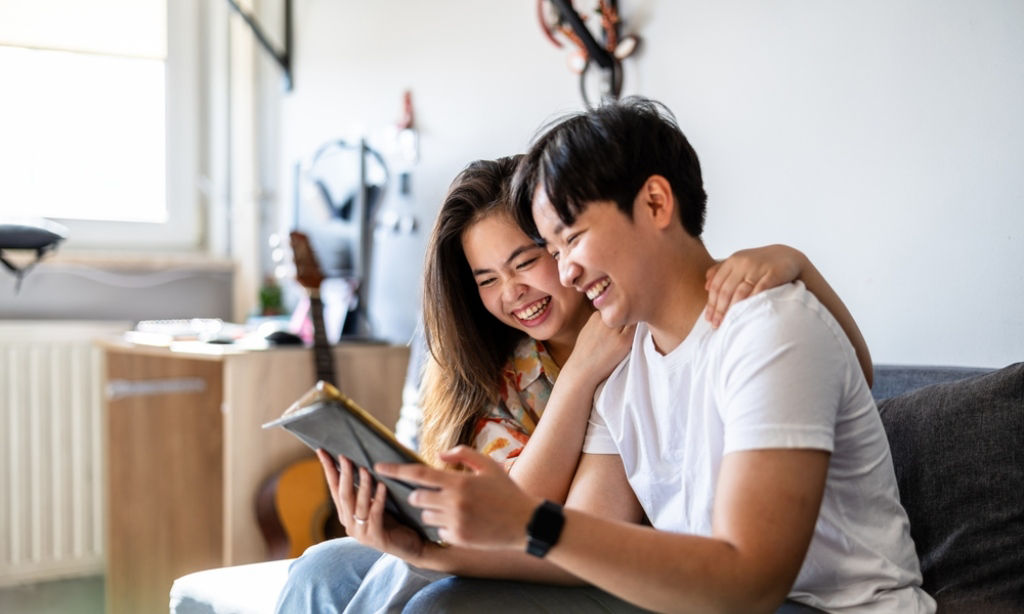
(729, 463)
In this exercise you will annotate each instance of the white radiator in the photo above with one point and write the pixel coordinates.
(52, 476)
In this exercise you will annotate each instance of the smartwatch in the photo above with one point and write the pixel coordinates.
(544, 529)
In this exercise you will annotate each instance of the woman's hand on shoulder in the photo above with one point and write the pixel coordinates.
(599, 349)
(748, 272)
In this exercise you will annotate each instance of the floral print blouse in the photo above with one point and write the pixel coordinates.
(526, 382)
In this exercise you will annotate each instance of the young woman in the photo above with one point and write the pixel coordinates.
(501, 328)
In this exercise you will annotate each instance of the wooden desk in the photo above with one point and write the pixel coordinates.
(186, 454)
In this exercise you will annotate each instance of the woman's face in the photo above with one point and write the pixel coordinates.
(518, 281)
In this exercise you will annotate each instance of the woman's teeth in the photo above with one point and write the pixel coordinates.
(596, 290)
(533, 310)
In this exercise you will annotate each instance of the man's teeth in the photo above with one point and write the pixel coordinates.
(533, 310)
(596, 290)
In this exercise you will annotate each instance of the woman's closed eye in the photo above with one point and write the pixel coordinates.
(485, 282)
(525, 264)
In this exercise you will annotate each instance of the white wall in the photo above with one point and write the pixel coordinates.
(885, 139)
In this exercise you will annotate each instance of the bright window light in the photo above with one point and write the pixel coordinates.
(100, 125)
(83, 136)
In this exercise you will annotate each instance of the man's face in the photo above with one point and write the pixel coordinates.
(600, 255)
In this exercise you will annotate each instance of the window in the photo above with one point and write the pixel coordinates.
(98, 119)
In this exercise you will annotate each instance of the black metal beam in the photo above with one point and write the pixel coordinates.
(283, 58)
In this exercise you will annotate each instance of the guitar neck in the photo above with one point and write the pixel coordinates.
(323, 360)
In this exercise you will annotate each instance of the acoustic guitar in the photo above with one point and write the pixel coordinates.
(294, 507)
(309, 276)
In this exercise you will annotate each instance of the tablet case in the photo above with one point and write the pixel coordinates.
(325, 418)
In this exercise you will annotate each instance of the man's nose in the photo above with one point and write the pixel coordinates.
(568, 272)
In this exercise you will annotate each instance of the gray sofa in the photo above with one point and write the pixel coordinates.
(957, 438)
(958, 450)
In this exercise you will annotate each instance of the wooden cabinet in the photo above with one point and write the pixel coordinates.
(186, 454)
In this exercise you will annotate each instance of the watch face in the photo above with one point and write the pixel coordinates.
(544, 529)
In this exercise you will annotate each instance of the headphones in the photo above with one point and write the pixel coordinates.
(342, 206)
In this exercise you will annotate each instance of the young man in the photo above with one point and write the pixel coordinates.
(755, 450)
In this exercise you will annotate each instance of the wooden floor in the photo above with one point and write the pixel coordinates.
(72, 596)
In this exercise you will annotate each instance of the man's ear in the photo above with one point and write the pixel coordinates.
(657, 201)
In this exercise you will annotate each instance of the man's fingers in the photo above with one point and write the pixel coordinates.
(465, 455)
(438, 478)
(415, 473)
(433, 518)
(429, 498)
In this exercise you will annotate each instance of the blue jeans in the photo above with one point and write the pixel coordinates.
(343, 576)
(469, 596)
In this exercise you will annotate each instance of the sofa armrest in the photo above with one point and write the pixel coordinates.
(242, 589)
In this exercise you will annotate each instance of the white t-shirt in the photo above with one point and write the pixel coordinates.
(778, 373)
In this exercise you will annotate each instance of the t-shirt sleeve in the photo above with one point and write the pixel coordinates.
(598, 439)
(782, 377)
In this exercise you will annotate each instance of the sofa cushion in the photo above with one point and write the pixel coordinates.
(958, 451)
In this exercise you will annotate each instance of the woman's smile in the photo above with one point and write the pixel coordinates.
(534, 313)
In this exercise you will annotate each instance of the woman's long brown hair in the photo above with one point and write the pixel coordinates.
(468, 345)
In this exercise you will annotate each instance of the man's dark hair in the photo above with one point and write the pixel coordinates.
(607, 154)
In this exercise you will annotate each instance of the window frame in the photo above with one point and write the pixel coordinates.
(184, 89)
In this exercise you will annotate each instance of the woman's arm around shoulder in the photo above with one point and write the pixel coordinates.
(750, 271)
